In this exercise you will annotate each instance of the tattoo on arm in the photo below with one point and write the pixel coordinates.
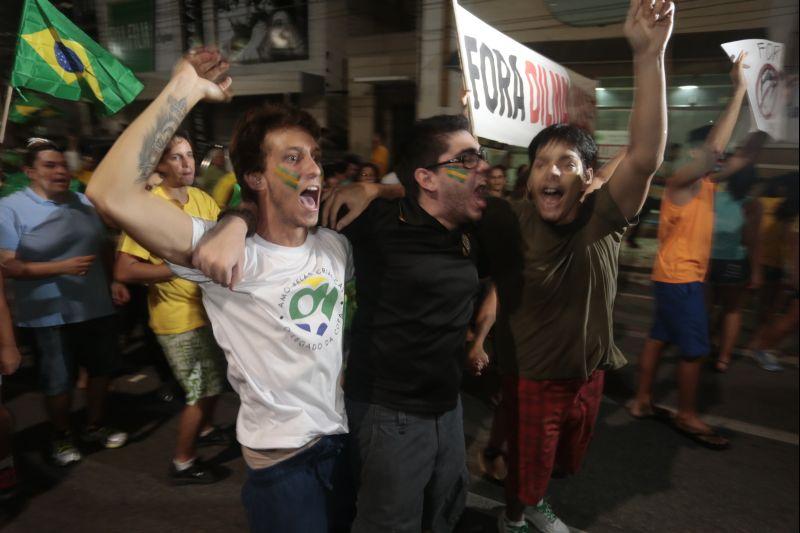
(155, 142)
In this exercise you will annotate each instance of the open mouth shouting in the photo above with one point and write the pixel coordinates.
(309, 197)
(550, 197)
(479, 195)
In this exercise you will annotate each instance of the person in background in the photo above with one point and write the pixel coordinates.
(353, 163)
(380, 155)
(334, 175)
(88, 164)
(735, 257)
(368, 173)
(53, 243)
(496, 181)
(769, 337)
(9, 362)
(679, 272)
(520, 190)
(773, 252)
(178, 319)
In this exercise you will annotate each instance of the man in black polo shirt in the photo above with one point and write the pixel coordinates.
(416, 284)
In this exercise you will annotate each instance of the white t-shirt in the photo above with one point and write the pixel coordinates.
(281, 331)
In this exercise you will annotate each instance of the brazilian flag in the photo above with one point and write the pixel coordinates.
(55, 57)
(24, 110)
(31, 106)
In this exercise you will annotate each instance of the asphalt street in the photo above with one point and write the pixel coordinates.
(639, 476)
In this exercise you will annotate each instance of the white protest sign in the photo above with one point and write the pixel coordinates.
(765, 62)
(514, 93)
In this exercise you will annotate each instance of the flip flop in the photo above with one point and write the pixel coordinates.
(721, 366)
(709, 439)
(659, 414)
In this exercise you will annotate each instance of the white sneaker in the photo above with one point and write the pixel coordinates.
(545, 520)
(504, 526)
(768, 361)
(105, 436)
(64, 452)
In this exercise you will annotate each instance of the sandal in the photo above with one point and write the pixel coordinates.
(708, 439)
(659, 414)
(721, 366)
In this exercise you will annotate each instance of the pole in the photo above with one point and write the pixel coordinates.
(6, 107)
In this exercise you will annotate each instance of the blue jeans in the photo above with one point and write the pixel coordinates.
(60, 349)
(410, 469)
(308, 493)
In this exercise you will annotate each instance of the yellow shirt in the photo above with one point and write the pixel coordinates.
(684, 238)
(175, 306)
(223, 190)
(380, 156)
(771, 233)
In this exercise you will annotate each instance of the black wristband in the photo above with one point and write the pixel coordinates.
(245, 214)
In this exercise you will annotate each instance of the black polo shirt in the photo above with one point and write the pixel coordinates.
(416, 284)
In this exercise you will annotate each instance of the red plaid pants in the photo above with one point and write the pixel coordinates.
(550, 424)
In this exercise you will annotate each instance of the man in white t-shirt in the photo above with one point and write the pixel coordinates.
(281, 328)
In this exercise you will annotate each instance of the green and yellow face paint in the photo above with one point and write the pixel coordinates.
(289, 178)
(457, 173)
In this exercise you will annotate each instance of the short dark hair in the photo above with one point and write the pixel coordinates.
(501, 168)
(571, 135)
(373, 166)
(427, 142)
(247, 149)
(37, 145)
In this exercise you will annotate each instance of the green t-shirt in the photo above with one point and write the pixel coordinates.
(556, 287)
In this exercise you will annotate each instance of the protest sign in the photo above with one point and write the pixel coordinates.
(764, 64)
(514, 92)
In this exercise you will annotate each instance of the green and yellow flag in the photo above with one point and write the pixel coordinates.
(55, 57)
(24, 109)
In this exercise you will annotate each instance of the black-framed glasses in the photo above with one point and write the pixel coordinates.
(469, 160)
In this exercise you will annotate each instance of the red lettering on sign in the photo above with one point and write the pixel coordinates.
(530, 75)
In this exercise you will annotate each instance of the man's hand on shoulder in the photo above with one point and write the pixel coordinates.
(355, 196)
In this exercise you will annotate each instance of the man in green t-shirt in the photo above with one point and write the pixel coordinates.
(554, 260)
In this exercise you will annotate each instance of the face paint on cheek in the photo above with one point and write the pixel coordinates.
(289, 178)
(456, 173)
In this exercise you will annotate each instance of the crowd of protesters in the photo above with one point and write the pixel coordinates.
(344, 301)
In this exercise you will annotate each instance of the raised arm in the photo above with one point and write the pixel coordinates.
(744, 156)
(117, 188)
(648, 29)
(718, 138)
(220, 253)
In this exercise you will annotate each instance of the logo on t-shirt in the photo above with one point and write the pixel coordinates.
(311, 306)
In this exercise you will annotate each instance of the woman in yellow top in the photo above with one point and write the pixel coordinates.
(178, 319)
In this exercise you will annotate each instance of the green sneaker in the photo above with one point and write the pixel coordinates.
(545, 520)
(63, 452)
(504, 526)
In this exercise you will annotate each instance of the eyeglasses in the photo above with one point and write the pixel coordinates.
(469, 160)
